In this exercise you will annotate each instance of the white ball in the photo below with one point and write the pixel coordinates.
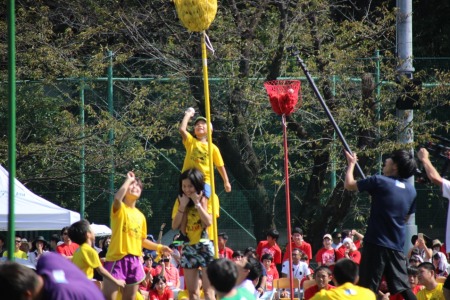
(191, 110)
(290, 91)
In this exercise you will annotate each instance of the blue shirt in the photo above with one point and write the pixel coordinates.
(393, 199)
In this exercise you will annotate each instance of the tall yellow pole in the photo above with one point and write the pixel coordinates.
(210, 148)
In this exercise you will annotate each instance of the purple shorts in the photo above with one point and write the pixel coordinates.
(129, 268)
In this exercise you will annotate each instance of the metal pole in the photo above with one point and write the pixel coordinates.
(210, 148)
(325, 107)
(333, 162)
(82, 155)
(111, 130)
(377, 101)
(405, 117)
(12, 126)
(288, 205)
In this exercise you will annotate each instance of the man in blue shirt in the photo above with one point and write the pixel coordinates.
(393, 201)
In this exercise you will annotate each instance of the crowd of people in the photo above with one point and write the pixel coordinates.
(130, 265)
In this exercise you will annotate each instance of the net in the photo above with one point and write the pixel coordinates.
(284, 95)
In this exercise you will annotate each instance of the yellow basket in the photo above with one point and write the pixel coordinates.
(196, 15)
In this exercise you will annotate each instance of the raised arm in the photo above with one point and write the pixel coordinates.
(350, 182)
(188, 114)
(431, 171)
(120, 194)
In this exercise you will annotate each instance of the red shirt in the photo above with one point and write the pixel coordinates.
(415, 290)
(168, 294)
(311, 291)
(172, 276)
(67, 250)
(226, 253)
(275, 251)
(354, 255)
(272, 274)
(304, 247)
(326, 256)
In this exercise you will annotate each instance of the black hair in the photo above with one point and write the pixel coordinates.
(78, 230)
(55, 238)
(157, 279)
(412, 271)
(273, 233)
(64, 229)
(406, 164)
(436, 256)
(237, 253)
(2, 238)
(222, 274)
(249, 250)
(345, 233)
(427, 266)
(297, 230)
(223, 235)
(267, 256)
(196, 178)
(323, 268)
(16, 279)
(334, 235)
(255, 268)
(345, 270)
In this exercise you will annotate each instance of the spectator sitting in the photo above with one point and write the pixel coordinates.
(25, 245)
(270, 246)
(326, 256)
(249, 270)
(413, 279)
(322, 276)
(422, 246)
(224, 251)
(237, 255)
(222, 274)
(337, 240)
(17, 252)
(345, 276)
(39, 248)
(433, 289)
(170, 272)
(67, 248)
(440, 264)
(415, 260)
(300, 270)
(271, 274)
(349, 250)
(54, 239)
(160, 290)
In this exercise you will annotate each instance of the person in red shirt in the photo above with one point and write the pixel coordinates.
(349, 250)
(270, 246)
(160, 290)
(67, 248)
(272, 272)
(326, 256)
(298, 243)
(224, 251)
(323, 276)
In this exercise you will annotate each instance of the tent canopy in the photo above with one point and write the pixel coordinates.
(31, 211)
(101, 230)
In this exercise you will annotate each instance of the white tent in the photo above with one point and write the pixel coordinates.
(31, 211)
(101, 230)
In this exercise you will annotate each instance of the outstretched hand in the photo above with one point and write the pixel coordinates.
(130, 175)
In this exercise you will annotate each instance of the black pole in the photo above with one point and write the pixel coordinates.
(295, 52)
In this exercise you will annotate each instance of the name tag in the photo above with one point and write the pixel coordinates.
(400, 184)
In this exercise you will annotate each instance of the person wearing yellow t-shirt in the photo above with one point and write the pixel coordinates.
(192, 215)
(129, 236)
(197, 151)
(433, 290)
(17, 252)
(86, 257)
(345, 276)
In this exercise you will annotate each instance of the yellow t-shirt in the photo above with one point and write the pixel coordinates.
(87, 259)
(197, 157)
(345, 291)
(17, 254)
(436, 294)
(194, 225)
(129, 228)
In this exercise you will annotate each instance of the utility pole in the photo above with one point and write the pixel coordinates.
(405, 69)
